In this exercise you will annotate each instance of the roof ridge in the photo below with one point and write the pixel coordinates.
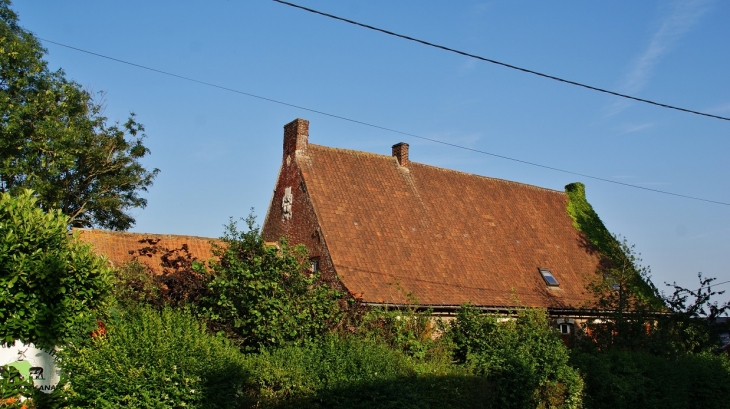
(489, 177)
(353, 151)
(343, 150)
(130, 233)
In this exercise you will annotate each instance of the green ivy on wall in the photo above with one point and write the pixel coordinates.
(615, 253)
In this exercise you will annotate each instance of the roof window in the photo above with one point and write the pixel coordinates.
(547, 275)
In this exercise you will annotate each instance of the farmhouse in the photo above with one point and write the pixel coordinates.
(392, 231)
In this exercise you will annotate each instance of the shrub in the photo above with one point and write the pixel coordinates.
(135, 285)
(51, 285)
(629, 379)
(407, 330)
(14, 388)
(182, 284)
(265, 296)
(353, 372)
(522, 357)
(153, 359)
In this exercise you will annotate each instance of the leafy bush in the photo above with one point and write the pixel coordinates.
(352, 372)
(522, 357)
(265, 296)
(153, 359)
(13, 388)
(406, 330)
(629, 379)
(135, 285)
(686, 324)
(51, 285)
(183, 282)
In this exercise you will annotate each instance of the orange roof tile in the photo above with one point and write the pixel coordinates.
(448, 237)
(122, 247)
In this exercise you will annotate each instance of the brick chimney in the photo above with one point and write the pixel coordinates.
(296, 136)
(400, 151)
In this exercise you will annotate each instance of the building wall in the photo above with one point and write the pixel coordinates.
(300, 226)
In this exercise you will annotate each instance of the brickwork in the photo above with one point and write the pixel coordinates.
(400, 152)
(302, 227)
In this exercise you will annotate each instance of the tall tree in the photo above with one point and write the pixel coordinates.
(55, 140)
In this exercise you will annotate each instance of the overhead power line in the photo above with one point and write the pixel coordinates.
(711, 284)
(380, 127)
(716, 284)
(514, 67)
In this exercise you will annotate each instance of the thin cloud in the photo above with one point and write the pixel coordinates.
(467, 66)
(636, 128)
(683, 16)
(720, 109)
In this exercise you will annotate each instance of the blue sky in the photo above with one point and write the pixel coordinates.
(219, 152)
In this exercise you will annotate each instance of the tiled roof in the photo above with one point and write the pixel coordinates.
(445, 236)
(122, 247)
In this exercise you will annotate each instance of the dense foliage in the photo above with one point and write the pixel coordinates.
(153, 359)
(406, 330)
(525, 361)
(265, 296)
(182, 283)
(356, 372)
(55, 140)
(15, 391)
(646, 349)
(632, 379)
(619, 263)
(51, 285)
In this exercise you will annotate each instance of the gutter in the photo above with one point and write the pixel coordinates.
(451, 310)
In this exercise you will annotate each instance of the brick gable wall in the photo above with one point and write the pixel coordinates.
(302, 227)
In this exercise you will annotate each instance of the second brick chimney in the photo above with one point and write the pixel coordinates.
(400, 151)
(296, 136)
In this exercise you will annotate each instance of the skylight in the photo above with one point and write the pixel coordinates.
(547, 275)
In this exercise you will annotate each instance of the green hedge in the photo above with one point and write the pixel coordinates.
(353, 372)
(626, 379)
(151, 359)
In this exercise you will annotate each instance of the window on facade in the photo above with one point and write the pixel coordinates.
(547, 275)
(564, 328)
(315, 265)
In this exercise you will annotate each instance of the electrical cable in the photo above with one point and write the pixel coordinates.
(514, 67)
(711, 284)
(381, 127)
(724, 282)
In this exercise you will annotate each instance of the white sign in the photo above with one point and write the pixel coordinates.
(37, 364)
